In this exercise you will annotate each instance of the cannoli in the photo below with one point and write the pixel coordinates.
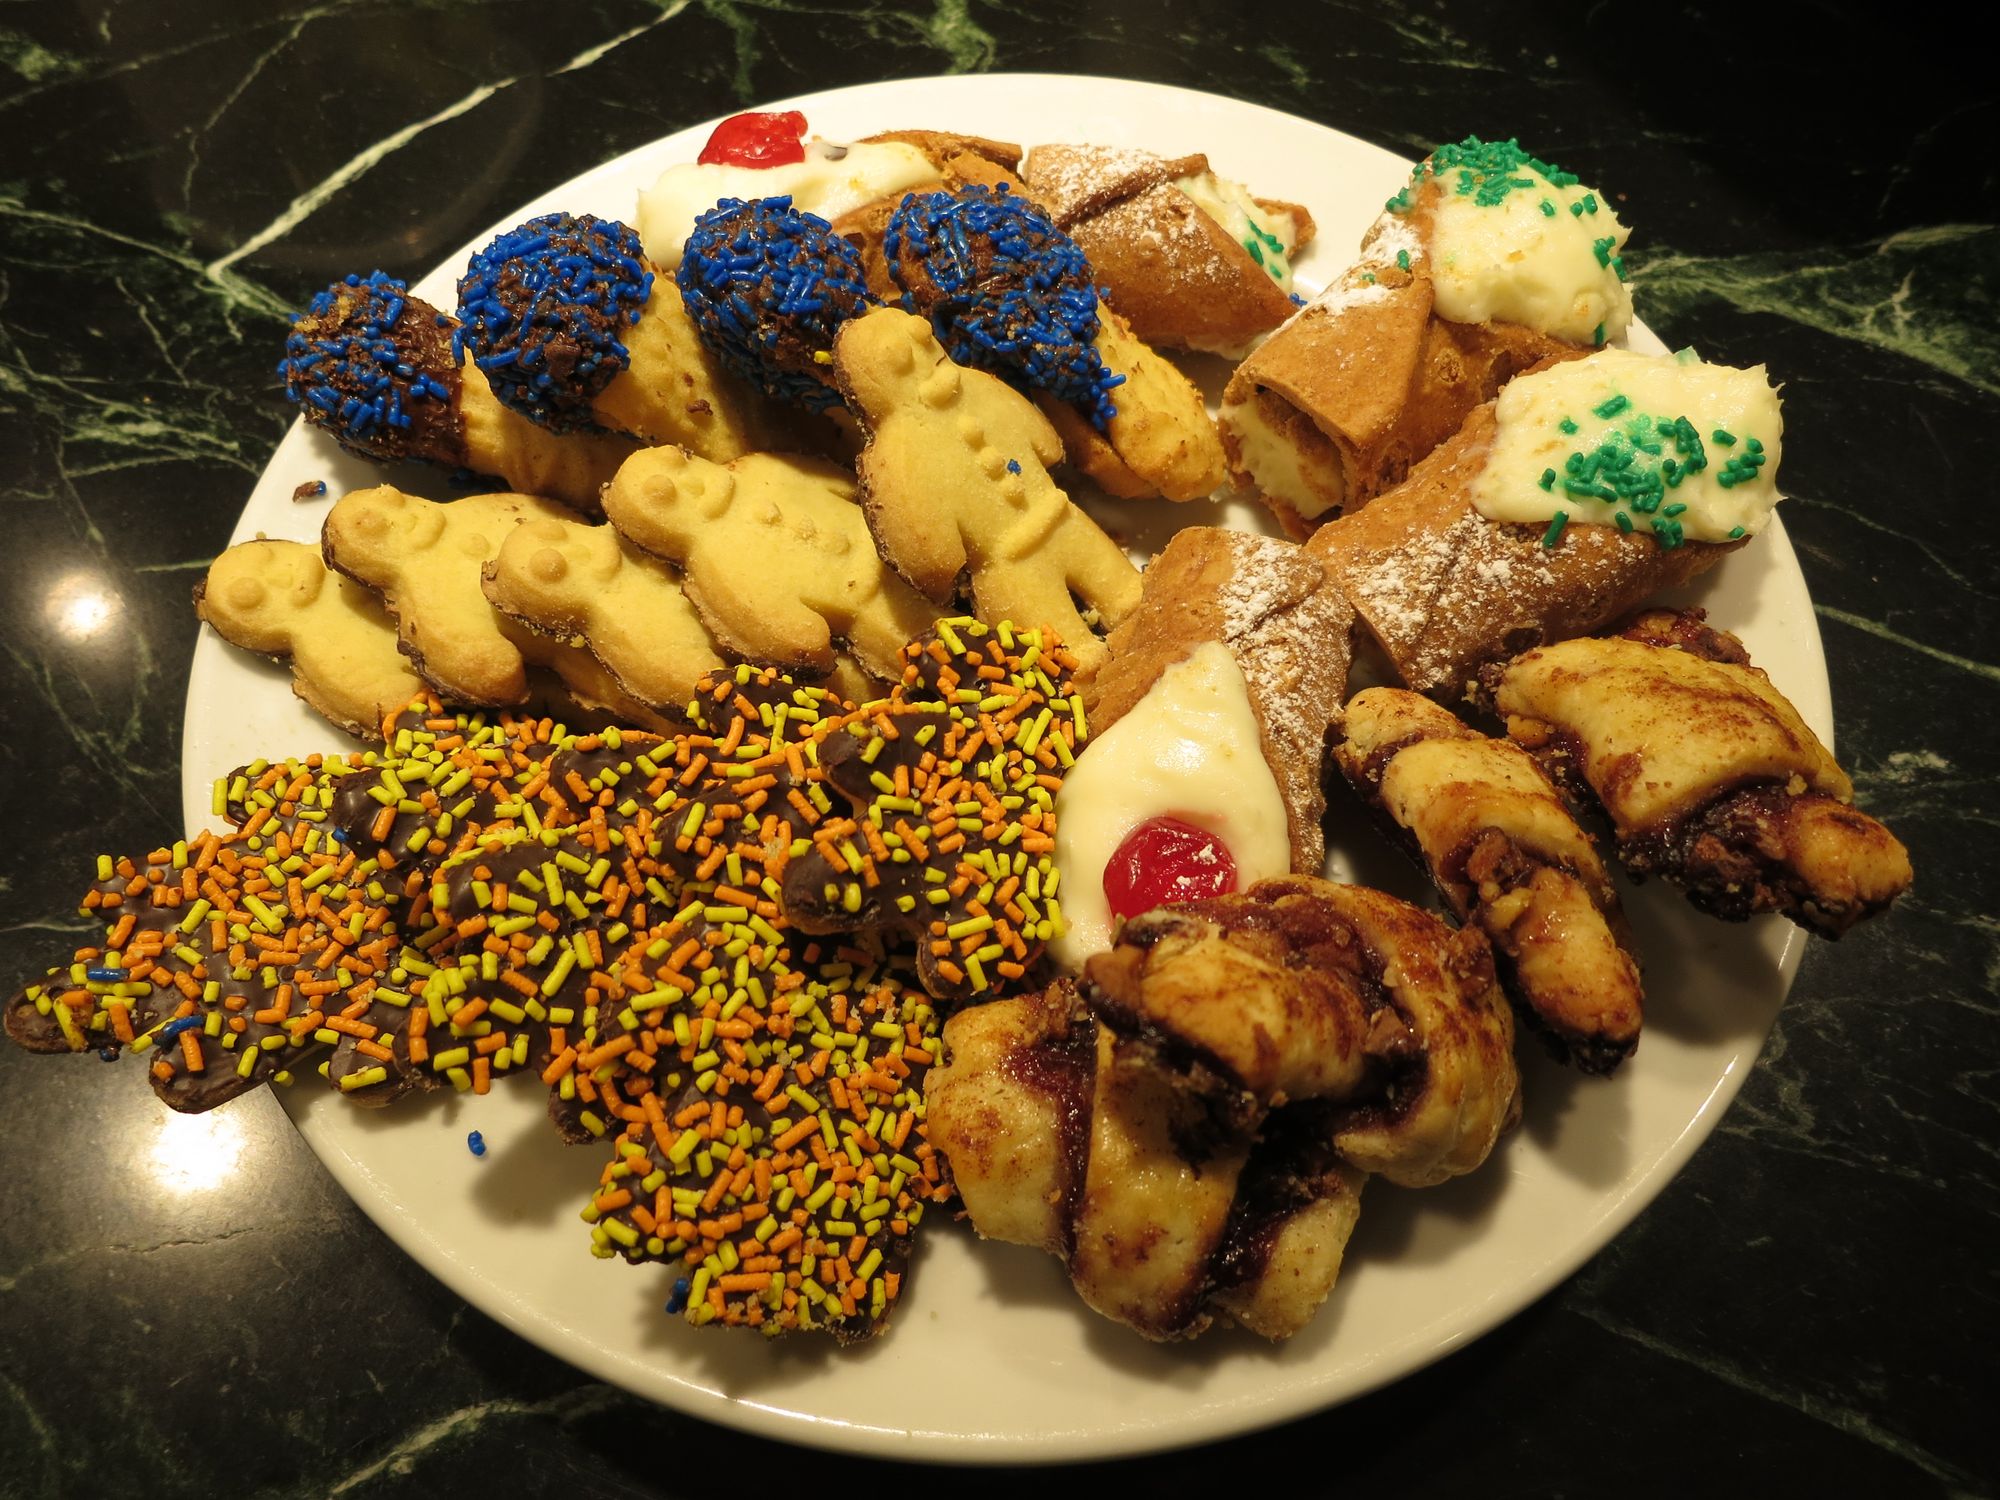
(1190, 259)
(1189, 1158)
(1709, 776)
(1510, 860)
(373, 367)
(1009, 292)
(1488, 263)
(574, 329)
(1585, 489)
(1209, 715)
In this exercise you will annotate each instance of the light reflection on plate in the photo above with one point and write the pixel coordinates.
(991, 1358)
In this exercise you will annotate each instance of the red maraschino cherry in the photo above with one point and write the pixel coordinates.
(756, 140)
(1163, 860)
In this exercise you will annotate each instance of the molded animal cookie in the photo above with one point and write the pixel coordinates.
(279, 600)
(955, 483)
(775, 555)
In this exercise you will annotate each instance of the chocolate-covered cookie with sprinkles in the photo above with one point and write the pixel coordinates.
(373, 367)
(949, 830)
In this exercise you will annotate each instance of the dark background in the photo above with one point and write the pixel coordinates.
(1810, 1307)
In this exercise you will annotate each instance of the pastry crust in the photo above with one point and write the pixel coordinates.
(1509, 859)
(1192, 1159)
(1179, 277)
(1707, 773)
(1444, 591)
(1366, 381)
(1269, 602)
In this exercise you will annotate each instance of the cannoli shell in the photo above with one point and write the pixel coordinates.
(1270, 603)
(1443, 591)
(1366, 382)
(1178, 276)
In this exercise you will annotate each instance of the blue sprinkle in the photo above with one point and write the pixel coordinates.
(109, 1054)
(325, 368)
(104, 976)
(678, 1300)
(174, 1028)
(476, 1143)
(1013, 292)
(767, 287)
(1013, 466)
(557, 282)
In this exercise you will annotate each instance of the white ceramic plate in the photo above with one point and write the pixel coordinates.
(991, 1358)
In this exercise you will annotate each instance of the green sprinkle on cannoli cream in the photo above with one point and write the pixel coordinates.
(1677, 448)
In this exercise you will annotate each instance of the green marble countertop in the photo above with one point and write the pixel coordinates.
(1809, 1307)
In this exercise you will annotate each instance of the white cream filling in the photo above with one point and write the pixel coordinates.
(831, 181)
(1516, 262)
(1729, 492)
(1189, 750)
(1270, 238)
(1275, 466)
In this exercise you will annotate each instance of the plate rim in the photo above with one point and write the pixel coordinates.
(1222, 1417)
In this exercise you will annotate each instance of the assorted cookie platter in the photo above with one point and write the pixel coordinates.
(1425, 1270)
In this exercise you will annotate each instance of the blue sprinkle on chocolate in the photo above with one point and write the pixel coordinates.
(768, 286)
(1005, 290)
(372, 366)
(540, 312)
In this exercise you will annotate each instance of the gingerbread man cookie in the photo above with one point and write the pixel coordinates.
(774, 553)
(278, 599)
(424, 559)
(584, 584)
(955, 481)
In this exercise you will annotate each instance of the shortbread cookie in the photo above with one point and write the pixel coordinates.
(373, 367)
(955, 484)
(585, 585)
(424, 558)
(278, 599)
(575, 329)
(1161, 442)
(1009, 292)
(767, 287)
(1269, 602)
(774, 553)
(950, 821)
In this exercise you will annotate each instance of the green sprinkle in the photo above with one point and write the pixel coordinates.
(1597, 334)
(1567, 427)
(1555, 531)
(1548, 209)
(1722, 437)
(1548, 480)
(1611, 408)
(1602, 249)
(1402, 260)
